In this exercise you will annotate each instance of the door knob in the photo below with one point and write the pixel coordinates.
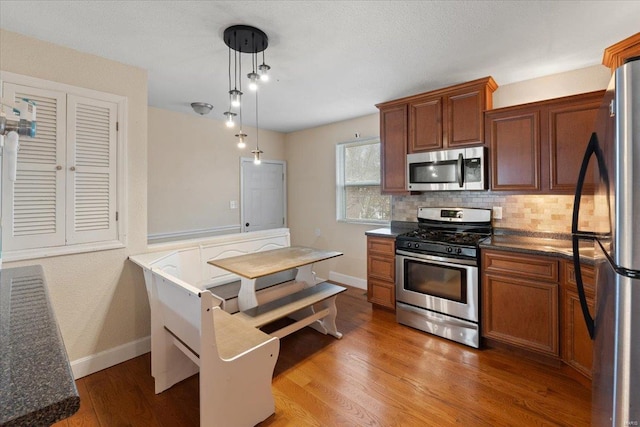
(246, 225)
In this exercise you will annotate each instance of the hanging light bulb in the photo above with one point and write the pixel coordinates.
(253, 80)
(235, 97)
(241, 137)
(229, 122)
(263, 70)
(256, 156)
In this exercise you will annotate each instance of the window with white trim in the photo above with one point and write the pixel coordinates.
(358, 197)
(67, 188)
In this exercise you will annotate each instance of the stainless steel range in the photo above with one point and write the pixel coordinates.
(437, 273)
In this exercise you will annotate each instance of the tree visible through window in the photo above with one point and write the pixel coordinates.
(358, 183)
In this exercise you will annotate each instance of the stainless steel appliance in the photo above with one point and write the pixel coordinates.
(615, 325)
(460, 169)
(437, 273)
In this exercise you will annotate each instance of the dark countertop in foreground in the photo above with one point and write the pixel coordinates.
(36, 382)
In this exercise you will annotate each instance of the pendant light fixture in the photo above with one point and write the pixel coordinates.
(250, 40)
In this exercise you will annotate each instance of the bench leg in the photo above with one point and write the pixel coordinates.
(326, 325)
(329, 322)
(306, 274)
(247, 294)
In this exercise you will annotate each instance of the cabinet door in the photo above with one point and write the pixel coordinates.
(425, 124)
(465, 124)
(514, 139)
(578, 347)
(522, 313)
(570, 127)
(393, 149)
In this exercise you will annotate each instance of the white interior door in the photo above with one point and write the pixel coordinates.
(263, 194)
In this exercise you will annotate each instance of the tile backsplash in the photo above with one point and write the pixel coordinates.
(544, 213)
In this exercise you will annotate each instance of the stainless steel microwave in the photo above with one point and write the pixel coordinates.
(446, 170)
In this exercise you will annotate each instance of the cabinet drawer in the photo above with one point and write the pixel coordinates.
(588, 278)
(381, 293)
(382, 267)
(525, 266)
(381, 245)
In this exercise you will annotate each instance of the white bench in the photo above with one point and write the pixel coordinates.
(174, 278)
(183, 341)
(236, 380)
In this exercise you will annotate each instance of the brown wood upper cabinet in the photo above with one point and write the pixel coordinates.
(451, 117)
(445, 118)
(538, 147)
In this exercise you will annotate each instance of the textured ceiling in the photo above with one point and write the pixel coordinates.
(331, 60)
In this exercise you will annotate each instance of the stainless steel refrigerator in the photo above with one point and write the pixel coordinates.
(614, 229)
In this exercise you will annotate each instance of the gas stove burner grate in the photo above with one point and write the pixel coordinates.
(459, 238)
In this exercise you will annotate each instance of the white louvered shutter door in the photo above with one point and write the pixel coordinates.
(33, 205)
(91, 170)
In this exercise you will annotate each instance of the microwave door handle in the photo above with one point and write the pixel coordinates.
(460, 170)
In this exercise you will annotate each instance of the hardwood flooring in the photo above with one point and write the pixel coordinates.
(379, 374)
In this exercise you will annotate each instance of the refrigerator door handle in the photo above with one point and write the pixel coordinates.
(593, 148)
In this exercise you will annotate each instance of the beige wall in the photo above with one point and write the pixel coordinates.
(311, 170)
(99, 298)
(194, 171)
(557, 85)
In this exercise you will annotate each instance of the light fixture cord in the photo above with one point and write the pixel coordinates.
(257, 125)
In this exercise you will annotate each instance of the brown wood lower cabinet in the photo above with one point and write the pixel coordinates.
(381, 271)
(520, 301)
(577, 350)
(531, 303)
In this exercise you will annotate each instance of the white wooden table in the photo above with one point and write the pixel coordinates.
(252, 266)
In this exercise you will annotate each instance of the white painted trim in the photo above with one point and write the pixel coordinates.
(193, 234)
(105, 359)
(356, 282)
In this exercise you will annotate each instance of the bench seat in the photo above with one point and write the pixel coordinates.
(292, 304)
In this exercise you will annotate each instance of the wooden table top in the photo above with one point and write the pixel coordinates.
(260, 264)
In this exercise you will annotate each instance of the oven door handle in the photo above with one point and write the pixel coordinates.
(460, 170)
(432, 259)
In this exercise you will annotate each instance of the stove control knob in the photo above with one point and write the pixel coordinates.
(449, 249)
(417, 245)
(459, 251)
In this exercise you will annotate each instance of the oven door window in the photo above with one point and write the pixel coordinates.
(446, 282)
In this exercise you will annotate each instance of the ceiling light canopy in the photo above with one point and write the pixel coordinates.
(248, 40)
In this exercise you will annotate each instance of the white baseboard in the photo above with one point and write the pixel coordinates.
(356, 282)
(105, 359)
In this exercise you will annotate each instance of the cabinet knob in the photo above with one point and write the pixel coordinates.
(58, 167)
(72, 168)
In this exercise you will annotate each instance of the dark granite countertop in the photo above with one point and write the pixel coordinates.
(537, 243)
(395, 229)
(36, 382)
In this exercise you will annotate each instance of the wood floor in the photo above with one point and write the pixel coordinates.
(379, 374)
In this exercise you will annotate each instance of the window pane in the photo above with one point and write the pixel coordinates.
(362, 163)
(366, 202)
